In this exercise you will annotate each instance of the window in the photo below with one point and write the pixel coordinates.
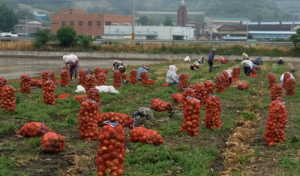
(90, 23)
(72, 23)
(107, 23)
(63, 23)
(98, 23)
(80, 23)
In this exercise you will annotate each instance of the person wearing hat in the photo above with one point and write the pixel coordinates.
(211, 59)
(280, 62)
(248, 66)
(171, 77)
(245, 56)
(195, 66)
(73, 61)
(140, 70)
(118, 65)
(258, 61)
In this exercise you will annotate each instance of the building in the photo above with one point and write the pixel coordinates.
(32, 27)
(182, 15)
(216, 22)
(149, 32)
(87, 24)
(41, 17)
(203, 37)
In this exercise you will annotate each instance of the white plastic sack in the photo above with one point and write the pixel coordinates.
(187, 59)
(80, 89)
(107, 89)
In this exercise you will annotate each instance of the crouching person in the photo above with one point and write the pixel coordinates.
(172, 77)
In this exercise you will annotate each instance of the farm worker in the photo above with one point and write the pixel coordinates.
(211, 59)
(195, 66)
(229, 72)
(118, 65)
(258, 61)
(187, 59)
(245, 56)
(142, 69)
(280, 61)
(222, 59)
(282, 77)
(201, 61)
(73, 61)
(248, 66)
(172, 77)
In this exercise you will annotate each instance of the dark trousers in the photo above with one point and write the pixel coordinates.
(210, 63)
(230, 80)
(247, 71)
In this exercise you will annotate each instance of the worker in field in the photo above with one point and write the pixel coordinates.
(211, 59)
(201, 61)
(195, 66)
(222, 59)
(140, 70)
(171, 77)
(282, 77)
(73, 61)
(229, 72)
(248, 66)
(280, 61)
(258, 61)
(245, 56)
(118, 65)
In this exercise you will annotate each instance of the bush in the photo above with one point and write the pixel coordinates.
(42, 37)
(66, 36)
(84, 41)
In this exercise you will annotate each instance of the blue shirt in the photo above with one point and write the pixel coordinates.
(140, 70)
(211, 56)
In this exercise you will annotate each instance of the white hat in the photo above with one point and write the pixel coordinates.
(65, 58)
(280, 58)
(197, 63)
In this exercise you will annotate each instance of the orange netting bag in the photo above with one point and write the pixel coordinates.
(242, 86)
(177, 97)
(146, 136)
(80, 98)
(97, 71)
(25, 84)
(66, 68)
(101, 79)
(124, 76)
(290, 87)
(213, 113)
(235, 73)
(82, 76)
(285, 77)
(272, 79)
(65, 78)
(93, 94)
(183, 81)
(117, 79)
(48, 92)
(186, 93)
(209, 86)
(8, 101)
(254, 72)
(53, 142)
(33, 129)
(226, 82)
(191, 115)
(160, 106)
(134, 77)
(3, 83)
(36, 82)
(220, 83)
(276, 91)
(48, 75)
(123, 119)
(89, 82)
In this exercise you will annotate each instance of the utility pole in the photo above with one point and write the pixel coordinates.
(133, 18)
(293, 17)
(26, 26)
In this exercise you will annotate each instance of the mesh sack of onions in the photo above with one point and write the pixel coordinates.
(93, 94)
(111, 153)
(66, 68)
(213, 112)
(36, 82)
(80, 98)
(160, 106)
(87, 120)
(89, 82)
(3, 83)
(254, 72)
(200, 93)
(48, 92)
(278, 100)
(53, 143)
(209, 86)
(146, 136)
(285, 77)
(97, 71)
(101, 79)
(33, 129)
(134, 77)
(177, 97)
(276, 91)
(290, 87)
(183, 81)
(65, 78)
(82, 76)
(272, 79)
(189, 92)
(104, 71)
(25, 84)
(124, 76)
(191, 113)
(8, 101)
(276, 123)
(48, 75)
(225, 61)
(235, 73)
(145, 79)
(123, 119)
(226, 82)
(220, 83)
(242, 86)
(117, 79)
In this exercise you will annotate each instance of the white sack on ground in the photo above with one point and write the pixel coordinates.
(80, 89)
(107, 89)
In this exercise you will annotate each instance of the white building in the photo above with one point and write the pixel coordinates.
(149, 32)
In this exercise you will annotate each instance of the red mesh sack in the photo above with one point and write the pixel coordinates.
(134, 77)
(212, 113)
(89, 82)
(145, 79)
(177, 97)
(104, 71)
(124, 76)
(53, 142)
(209, 86)
(225, 61)
(8, 101)
(123, 119)
(117, 79)
(65, 78)
(254, 72)
(187, 92)
(93, 94)
(226, 82)
(285, 77)
(101, 79)
(276, 123)
(183, 81)
(111, 153)
(48, 92)
(48, 75)
(82, 76)
(33, 129)
(36, 82)
(191, 115)
(66, 68)
(242, 86)
(220, 83)
(235, 73)
(80, 98)
(272, 79)
(160, 106)
(272, 104)
(97, 71)
(276, 91)
(3, 83)
(25, 84)
(216, 60)
(87, 120)
(290, 87)
(200, 93)
(145, 136)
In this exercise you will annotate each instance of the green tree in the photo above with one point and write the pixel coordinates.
(168, 21)
(84, 41)
(296, 39)
(22, 13)
(143, 20)
(42, 37)
(66, 36)
(152, 22)
(8, 18)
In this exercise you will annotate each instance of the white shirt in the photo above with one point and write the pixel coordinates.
(247, 63)
(187, 59)
(282, 77)
(171, 75)
(72, 58)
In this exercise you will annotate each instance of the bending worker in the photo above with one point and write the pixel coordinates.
(258, 61)
(172, 77)
(118, 65)
(282, 77)
(248, 66)
(195, 66)
(280, 62)
(73, 61)
(211, 59)
(140, 70)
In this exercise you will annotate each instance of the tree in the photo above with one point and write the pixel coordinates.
(168, 21)
(296, 39)
(152, 21)
(8, 18)
(42, 37)
(143, 20)
(22, 13)
(84, 41)
(66, 36)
